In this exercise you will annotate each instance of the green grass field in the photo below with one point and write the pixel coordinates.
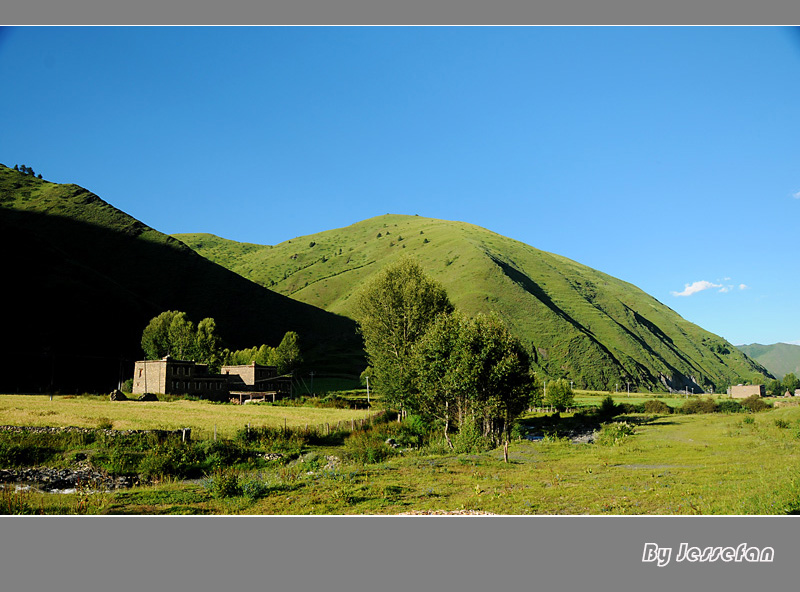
(718, 463)
(91, 411)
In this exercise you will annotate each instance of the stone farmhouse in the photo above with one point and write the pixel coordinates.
(169, 376)
(742, 391)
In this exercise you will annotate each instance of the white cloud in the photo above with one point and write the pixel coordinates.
(690, 289)
(725, 289)
(796, 195)
(744, 287)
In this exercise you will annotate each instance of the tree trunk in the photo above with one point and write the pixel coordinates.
(447, 424)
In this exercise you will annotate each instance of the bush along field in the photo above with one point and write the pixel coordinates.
(704, 456)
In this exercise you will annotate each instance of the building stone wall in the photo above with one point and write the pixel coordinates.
(742, 391)
(179, 377)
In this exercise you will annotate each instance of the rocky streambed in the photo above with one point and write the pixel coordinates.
(64, 480)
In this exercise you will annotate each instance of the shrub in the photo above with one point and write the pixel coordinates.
(607, 407)
(24, 454)
(749, 420)
(755, 404)
(518, 431)
(781, 423)
(657, 406)
(366, 447)
(698, 405)
(411, 432)
(417, 425)
(614, 433)
(253, 488)
(559, 394)
(273, 438)
(631, 407)
(470, 440)
(120, 461)
(222, 453)
(103, 423)
(729, 406)
(170, 460)
(223, 484)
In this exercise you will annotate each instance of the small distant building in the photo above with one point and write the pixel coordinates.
(797, 392)
(169, 376)
(742, 391)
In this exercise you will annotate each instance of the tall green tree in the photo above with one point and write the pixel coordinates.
(559, 394)
(156, 341)
(790, 382)
(208, 347)
(775, 388)
(393, 311)
(265, 355)
(472, 371)
(287, 355)
(182, 337)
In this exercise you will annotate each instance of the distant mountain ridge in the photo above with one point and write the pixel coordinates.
(577, 322)
(779, 358)
(82, 279)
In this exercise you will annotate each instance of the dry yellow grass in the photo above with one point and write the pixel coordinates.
(201, 416)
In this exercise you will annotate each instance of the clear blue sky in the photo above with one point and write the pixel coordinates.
(669, 158)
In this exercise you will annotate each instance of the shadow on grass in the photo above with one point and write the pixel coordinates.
(583, 422)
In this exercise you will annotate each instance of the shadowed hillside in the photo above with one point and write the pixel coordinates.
(83, 279)
(577, 322)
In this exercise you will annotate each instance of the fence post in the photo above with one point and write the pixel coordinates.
(215, 432)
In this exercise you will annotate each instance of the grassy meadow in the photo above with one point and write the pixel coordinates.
(90, 411)
(705, 463)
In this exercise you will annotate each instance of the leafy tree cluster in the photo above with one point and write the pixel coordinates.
(26, 170)
(777, 388)
(173, 333)
(559, 394)
(286, 356)
(472, 373)
(429, 360)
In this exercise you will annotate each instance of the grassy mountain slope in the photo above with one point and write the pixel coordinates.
(83, 279)
(779, 358)
(578, 322)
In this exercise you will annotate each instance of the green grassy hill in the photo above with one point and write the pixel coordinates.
(779, 358)
(82, 279)
(577, 322)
